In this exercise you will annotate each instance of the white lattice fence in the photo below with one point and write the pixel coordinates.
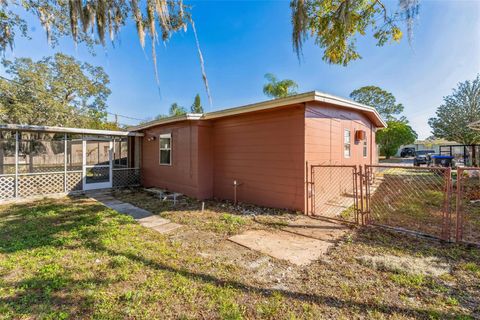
(39, 184)
(126, 177)
(74, 181)
(34, 184)
(7, 187)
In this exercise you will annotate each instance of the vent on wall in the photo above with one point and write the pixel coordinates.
(360, 135)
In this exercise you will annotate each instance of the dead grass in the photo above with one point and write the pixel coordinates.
(73, 258)
(425, 266)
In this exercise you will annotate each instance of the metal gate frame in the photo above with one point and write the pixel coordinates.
(459, 206)
(452, 228)
(368, 179)
(356, 177)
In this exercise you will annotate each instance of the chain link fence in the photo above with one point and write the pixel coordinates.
(434, 201)
(334, 192)
(467, 205)
(412, 198)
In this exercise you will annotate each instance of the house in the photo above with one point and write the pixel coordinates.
(257, 153)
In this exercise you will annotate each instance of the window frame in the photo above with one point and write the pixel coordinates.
(365, 148)
(345, 143)
(160, 148)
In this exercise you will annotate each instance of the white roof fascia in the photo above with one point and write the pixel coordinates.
(188, 116)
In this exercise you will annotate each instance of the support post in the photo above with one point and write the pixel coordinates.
(65, 145)
(16, 164)
(446, 205)
(458, 206)
(360, 182)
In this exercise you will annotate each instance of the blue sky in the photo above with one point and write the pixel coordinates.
(243, 40)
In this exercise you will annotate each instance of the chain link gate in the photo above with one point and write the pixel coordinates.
(412, 199)
(430, 201)
(334, 192)
(467, 205)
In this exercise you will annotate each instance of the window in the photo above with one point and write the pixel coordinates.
(166, 149)
(346, 143)
(365, 146)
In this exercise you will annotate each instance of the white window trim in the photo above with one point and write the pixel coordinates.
(349, 143)
(164, 136)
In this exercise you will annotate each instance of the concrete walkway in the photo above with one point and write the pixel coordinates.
(300, 243)
(143, 217)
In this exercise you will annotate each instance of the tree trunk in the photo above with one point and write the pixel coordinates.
(474, 155)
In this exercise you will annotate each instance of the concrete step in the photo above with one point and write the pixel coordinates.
(168, 227)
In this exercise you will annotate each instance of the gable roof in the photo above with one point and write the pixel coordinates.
(312, 96)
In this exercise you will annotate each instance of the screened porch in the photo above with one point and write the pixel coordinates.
(37, 160)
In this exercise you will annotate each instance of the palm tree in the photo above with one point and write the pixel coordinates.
(176, 110)
(279, 89)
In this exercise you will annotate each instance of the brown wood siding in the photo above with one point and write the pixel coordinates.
(264, 152)
(324, 145)
(182, 175)
(324, 129)
(205, 160)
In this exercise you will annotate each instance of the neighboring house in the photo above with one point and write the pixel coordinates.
(260, 152)
(427, 145)
(263, 148)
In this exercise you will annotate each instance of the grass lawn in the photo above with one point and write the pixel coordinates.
(74, 258)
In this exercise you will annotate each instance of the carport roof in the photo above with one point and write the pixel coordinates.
(313, 96)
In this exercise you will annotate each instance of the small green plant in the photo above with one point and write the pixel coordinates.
(408, 280)
(347, 214)
(228, 223)
(451, 301)
(272, 308)
(118, 261)
(472, 267)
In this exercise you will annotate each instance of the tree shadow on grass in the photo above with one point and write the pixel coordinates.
(51, 296)
(319, 299)
(37, 225)
(26, 228)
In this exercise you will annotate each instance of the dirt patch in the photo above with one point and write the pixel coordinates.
(429, 266)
